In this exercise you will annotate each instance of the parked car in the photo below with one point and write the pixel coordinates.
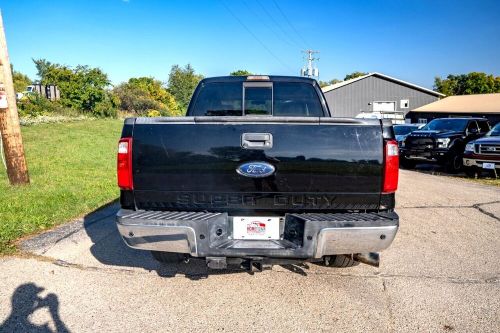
(483, 153)
(258, 173)
(442, 141)
(401, 131)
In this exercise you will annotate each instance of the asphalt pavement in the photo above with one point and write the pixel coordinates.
(442, 273)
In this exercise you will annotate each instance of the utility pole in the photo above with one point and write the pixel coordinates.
(17, 170)
(309, 70)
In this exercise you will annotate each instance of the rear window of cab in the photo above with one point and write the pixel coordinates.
(290, 99)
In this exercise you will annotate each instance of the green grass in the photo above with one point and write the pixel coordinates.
(72, 170)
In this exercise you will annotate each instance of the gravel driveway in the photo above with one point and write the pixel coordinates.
(442, 273)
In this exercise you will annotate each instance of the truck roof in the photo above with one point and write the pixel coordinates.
(464, 118)
(275, 78)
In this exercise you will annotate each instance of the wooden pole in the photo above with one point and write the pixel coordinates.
(17, 170)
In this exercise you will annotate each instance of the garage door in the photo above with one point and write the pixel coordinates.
(384, 106)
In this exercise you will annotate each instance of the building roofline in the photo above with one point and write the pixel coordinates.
(390, 78)
(464, 104)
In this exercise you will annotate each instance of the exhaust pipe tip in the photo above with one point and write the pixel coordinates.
(371, 258)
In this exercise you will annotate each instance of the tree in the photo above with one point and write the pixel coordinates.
(82, 88)
(328, 83)
(467, 84)
(145, 94)
(181, 84)
(151, 86)
(240, 72)
(134, 100)
(354, 75)
(21, 81)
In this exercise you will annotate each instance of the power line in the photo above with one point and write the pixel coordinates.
(254, 12)
(290, 23)
(255, 37)
(279, 26)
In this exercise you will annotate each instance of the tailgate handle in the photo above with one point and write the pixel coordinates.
(257, 140)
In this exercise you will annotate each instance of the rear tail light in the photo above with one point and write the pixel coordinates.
(391, 166)
(124, 164)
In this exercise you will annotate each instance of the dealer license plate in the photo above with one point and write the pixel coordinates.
(256, 227)
(489, 166)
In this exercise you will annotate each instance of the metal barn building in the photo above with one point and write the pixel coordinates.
(377, 95)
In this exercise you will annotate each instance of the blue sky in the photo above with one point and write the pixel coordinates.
(411, 40)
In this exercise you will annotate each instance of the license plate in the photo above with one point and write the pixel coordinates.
(489, 166)
(256, 227)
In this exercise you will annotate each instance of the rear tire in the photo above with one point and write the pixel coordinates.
(342, 261)
(454, 163)
(168, 257)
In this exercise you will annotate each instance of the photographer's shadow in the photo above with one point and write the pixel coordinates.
(109, 248)
(25, 301)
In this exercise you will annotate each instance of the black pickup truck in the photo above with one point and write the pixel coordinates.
(258, 173)
(442, 141)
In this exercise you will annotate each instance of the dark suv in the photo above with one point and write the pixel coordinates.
(442, 141)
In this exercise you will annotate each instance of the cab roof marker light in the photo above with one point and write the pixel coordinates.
(257, 78)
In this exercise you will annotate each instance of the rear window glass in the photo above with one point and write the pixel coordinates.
(296, 100)
(258, 101)
(218, 99)
(277, 98)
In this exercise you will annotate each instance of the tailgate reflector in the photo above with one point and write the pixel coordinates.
(391, 166)
(124, 164)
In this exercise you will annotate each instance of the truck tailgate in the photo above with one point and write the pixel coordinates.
(320, 164)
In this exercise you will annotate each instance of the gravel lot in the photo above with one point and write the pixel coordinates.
(442, 273)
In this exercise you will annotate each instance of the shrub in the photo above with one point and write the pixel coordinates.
(140, 95)
(35, 105)
(153, 113)
(105, 108)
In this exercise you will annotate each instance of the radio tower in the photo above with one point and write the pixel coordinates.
(309, 70)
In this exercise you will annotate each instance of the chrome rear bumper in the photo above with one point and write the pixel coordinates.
(304, 236)
(354, 240)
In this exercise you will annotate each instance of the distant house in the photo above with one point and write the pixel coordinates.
(481, 105)
(376, 95)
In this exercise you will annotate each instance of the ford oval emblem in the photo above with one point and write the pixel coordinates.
(256, 169)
